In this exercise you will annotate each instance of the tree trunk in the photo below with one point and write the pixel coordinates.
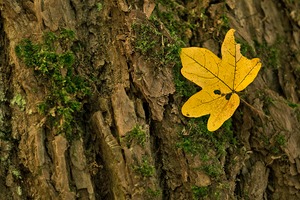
(129, 140)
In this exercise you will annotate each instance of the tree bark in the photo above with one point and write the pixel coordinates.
(133, 141)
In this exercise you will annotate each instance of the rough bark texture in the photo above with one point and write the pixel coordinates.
(134, 93)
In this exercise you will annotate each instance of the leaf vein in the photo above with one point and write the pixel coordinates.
(216, 76)
(247, 74)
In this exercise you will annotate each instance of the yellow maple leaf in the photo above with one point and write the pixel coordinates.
(220, 80)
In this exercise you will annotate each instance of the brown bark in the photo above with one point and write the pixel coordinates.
(135, 91)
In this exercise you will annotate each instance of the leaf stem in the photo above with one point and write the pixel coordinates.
(253, 108)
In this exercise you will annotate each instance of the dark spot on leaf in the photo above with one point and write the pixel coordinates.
(227, 97)
(218, 92)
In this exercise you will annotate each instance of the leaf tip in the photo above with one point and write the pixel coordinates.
(212, 127)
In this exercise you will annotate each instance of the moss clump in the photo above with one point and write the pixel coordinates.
(278, 144)
(213, 170)
(199, 192)
(145, 168)
(293, 105)
(246, 49)
(197, 140)
(19, 101)
(153, 193)
(161, 39)
(270, 55)
(154, 42)
(163, 51)
(280, 140)
(177, 32)
(136, 134)
(53, 62)
(147, 38)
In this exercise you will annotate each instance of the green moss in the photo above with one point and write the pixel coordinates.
(147, 38)
(150, 41)
(19, 101)
(163, 51)
(184, 87)
(2, 97)
(161, 39)
(280, 143)
(199, 192)
(269, 55)
(172, 24)
(214, 170)
(225, 22)
(16, 173)
(280, 140)
(136, 134)
(293, 105)
(145, 168)
(246, 49)
(216, 191)
(153, 193)
(19, 190)
(99, 6)
(274, 144)
(170, 3)
(268, 100)
(56, 70)
(195, 139)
